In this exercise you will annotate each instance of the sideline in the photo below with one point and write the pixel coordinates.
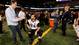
(44, 33)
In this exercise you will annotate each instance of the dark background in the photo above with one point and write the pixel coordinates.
(40, 3)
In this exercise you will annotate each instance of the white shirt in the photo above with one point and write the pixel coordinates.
(33, 25)
(0, 18)
(11, 16)
(21, 14)
(75, 25)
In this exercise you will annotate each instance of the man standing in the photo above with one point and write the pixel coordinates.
(55, 16)
(65, 18)
(22, 22)
(12, 20)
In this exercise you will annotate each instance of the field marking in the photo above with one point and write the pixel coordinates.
(44, 33)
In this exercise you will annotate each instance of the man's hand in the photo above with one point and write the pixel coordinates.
(19, 19)
(29, 32)
(22, 17)
(35, 33)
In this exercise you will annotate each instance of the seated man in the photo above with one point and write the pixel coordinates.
(33, 26)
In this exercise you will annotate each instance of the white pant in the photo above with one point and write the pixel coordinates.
(76, 28)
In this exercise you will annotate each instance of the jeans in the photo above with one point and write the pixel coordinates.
(55, 25)
(64, 24)
(15, 30)
(22, 25)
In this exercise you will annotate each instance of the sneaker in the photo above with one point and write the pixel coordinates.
(77, 39)
(16, 43)
(40, 39)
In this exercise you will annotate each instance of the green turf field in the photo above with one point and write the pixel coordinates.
(50, 39)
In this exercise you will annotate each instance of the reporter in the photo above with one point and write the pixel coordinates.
(12, 21)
